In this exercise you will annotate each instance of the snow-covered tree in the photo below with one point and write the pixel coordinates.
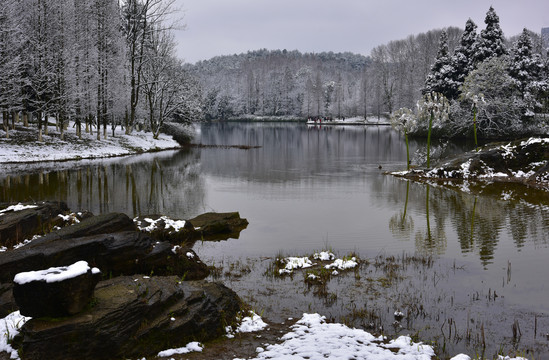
(439, 79)
(501, 112)
(462, 62)
(491, 41)
(525, 66)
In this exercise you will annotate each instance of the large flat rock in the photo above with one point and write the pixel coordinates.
(133, 317)
(17, 226)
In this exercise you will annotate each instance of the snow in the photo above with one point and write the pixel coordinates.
(55, 149)
(251, 323)
(295, 263)
(9, 327)
(193, 346)
(312, 338)
(54, 274)
(17, 207)
(324, 256)
(175, 248)
(343, 264)
(176, 225)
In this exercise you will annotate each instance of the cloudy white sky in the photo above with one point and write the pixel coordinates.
(222, 27)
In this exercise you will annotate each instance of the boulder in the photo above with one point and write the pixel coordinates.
(91, 225)
(219, 226)
(164, 228)
(120, 253)
(55, 292)
(133, 317)
(19, 225)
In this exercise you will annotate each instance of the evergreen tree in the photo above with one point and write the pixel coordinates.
(438, 79)
(491, 42)
(526, 67)
(463, 59)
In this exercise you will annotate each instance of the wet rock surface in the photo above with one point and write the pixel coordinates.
(40, 298)
(150, 298)
(133, 317)
(17, 226)
(219, 226)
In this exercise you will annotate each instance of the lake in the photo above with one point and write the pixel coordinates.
(310, 188)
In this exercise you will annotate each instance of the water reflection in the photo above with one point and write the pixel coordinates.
(168, 182)
(303, 188)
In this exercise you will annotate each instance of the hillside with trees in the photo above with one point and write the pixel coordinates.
(281, 83)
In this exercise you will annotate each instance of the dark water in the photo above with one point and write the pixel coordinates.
(309, 189)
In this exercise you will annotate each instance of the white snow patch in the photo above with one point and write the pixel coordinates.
(312, 338)
(193, 346)
(534, 141)
(190, 255)
(295, 263)
(343, 264)
(251, 323)
(324, 256)
(9, 327)
(54, 274)
(174, 249)
(3, 249)
(17, 207)
(461, 357)
(176, 225)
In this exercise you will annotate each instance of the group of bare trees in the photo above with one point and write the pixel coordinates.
(94, 63)
(282, 83)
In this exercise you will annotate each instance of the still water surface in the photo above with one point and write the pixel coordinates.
(306, 189)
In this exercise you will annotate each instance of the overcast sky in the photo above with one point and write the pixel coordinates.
(224, 27)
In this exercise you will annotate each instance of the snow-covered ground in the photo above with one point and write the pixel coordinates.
(23, 145)
(310, 338)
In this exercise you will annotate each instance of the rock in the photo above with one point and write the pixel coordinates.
(162, 228)
(55, 292)
(17, 226)
(219, 226)
(92, 225)
(120, 253)
(132, 318)
(7, 302)
(166, 259)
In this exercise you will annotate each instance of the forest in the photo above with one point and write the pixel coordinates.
(503, 79)
(105, 63)
(100, 63)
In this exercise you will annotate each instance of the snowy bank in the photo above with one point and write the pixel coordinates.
(23, 146)
(522, 161)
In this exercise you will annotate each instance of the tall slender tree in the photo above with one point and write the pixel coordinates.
(438, 79)
(462, 62)
(491, 41)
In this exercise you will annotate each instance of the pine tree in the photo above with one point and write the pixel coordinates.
(491, 41)
(526, 67)
(438, 79)
(463, 59)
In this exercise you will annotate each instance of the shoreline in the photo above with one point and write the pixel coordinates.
(23, 146)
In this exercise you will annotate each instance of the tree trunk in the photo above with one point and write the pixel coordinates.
(25, 119)
(6, 123)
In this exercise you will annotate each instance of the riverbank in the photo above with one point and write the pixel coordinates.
(523, 161)
(23, 146)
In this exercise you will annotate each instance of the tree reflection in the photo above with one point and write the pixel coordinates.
(163, 183)
(431, 242)
(402, 224)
